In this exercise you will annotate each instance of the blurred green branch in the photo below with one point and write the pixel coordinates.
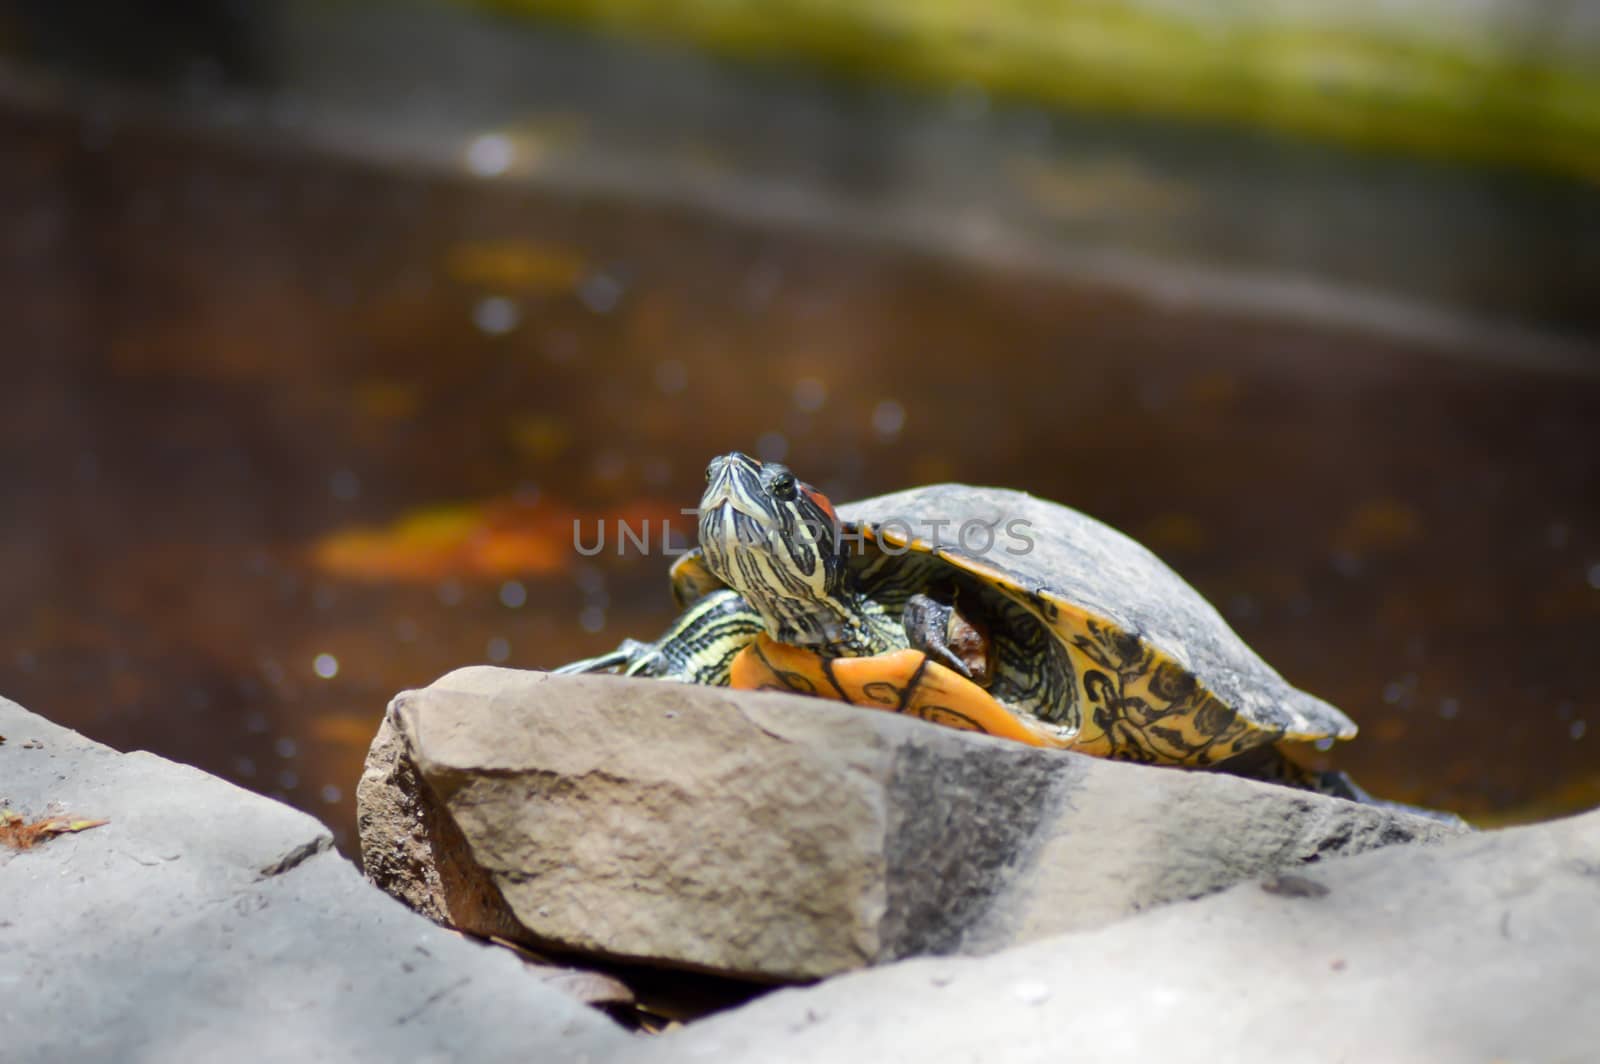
(1488, 82)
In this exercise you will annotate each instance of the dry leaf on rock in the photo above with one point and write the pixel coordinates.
(20, 834)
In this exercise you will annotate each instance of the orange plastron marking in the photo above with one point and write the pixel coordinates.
(901, 681)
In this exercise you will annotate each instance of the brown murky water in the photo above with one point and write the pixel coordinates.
(283, 435)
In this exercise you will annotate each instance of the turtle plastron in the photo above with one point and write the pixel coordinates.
(899, 681)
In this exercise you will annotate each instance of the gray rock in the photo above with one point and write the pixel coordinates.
(785, 838)
(1481, 948)
(208, 923)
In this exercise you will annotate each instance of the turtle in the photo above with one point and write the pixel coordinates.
(986, 609)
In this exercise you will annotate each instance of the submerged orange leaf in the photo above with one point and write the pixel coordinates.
(515, 264)
(1380, 525)
(494, 540)
(352, 731)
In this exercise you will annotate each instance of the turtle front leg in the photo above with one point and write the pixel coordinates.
(699, 647)
(941, 631)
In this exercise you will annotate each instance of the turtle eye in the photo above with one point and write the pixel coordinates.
(783, 486)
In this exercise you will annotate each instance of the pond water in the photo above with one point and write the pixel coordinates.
(287, 429)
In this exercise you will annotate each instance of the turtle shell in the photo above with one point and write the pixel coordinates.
(1139, 665)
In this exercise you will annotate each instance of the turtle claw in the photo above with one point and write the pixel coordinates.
(630, 653)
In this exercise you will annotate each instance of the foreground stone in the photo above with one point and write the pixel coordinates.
(1482, 948)
(204, 922)
(784, 838)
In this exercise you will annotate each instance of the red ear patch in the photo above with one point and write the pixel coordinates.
(821, 502)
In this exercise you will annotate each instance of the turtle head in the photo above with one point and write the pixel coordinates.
(775, 540)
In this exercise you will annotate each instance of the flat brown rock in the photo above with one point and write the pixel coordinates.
(778, 837)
